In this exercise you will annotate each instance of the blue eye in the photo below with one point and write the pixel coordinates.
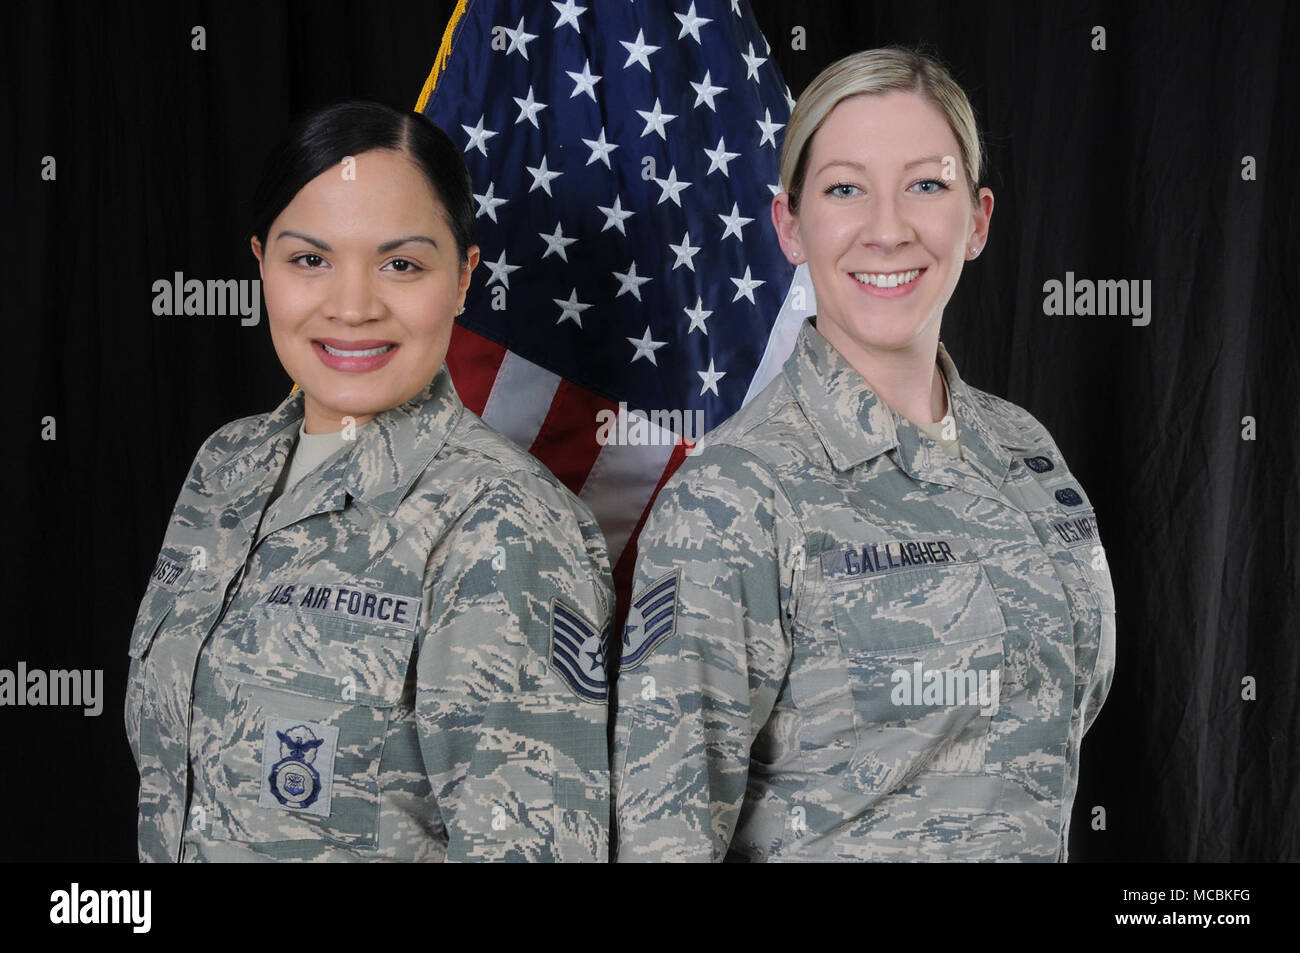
(835, 189)
(938, 186)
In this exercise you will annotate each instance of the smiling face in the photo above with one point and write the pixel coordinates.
(362, 281)
(883, 223)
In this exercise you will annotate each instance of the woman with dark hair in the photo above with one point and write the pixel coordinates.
(376, 628)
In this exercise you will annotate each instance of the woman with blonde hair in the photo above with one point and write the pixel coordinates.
(872, 618)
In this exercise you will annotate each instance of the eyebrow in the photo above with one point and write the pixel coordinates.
(862, 168)
(385, 247)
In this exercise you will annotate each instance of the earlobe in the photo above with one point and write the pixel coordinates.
(786, 224)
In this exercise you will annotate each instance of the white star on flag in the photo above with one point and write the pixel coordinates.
(705, 91)
(638, 51)
(628, 281)
(734, 222)
(691, 23)
(519, 40)
(645, 347)
(542, 177)
(487, 203)
(711, 378)
(745, 286)
(685, 252)
(600, 149)
(478, 136)
(752, 63)
(584, 82)
(571, 310)
(719, 157)
(672, 189)
(697, 316)
(614, 215)
(569, 13)
(655, 120)
(500, 270)
(768, 128)
(556, 242)
(528, 108)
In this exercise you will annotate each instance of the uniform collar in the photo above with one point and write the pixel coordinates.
(397, 445)
(389, 454)
(852, 423)
(855, 425)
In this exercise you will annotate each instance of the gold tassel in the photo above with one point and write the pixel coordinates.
(444, 52)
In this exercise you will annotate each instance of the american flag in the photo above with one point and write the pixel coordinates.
(624, 156)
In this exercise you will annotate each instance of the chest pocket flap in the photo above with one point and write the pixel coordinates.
(328, 656)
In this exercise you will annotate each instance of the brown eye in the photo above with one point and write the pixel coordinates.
(407, 266)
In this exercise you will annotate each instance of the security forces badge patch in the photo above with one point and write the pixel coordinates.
(578, 654)
(298, 765)
(651, 618)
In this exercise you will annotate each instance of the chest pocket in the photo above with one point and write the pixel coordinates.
(311, 698)
(923, 647)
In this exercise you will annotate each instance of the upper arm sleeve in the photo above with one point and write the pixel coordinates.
(512, 729)
(700, 673)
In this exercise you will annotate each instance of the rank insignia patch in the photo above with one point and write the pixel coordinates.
(298, 765)
(651, 618)
(578, 654)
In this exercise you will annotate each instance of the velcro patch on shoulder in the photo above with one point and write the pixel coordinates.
(651, 618)
(578, 653)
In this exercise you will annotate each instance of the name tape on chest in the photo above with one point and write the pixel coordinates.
(848, 562)
(349, 603)
(169, 574)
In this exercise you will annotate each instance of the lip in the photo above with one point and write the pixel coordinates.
(901, 291)
(353, 365)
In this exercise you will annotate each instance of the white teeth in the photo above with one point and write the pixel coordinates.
(888, 279)
(369, 352)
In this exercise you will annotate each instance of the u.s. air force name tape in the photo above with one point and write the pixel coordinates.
(350, 602)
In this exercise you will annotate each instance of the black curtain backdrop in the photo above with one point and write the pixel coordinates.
(1122, 163)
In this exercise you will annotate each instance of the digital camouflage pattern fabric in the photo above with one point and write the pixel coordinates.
(404, 660)
(847, 644)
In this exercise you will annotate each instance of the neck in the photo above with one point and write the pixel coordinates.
(318, 420)
(907, 379)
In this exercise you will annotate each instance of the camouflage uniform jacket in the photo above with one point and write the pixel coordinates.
(846, 644)
(401, 658)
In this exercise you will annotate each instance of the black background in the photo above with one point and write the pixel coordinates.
(1122, 164)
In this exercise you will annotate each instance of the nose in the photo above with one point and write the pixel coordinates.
(884, 224)
(354, 297)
